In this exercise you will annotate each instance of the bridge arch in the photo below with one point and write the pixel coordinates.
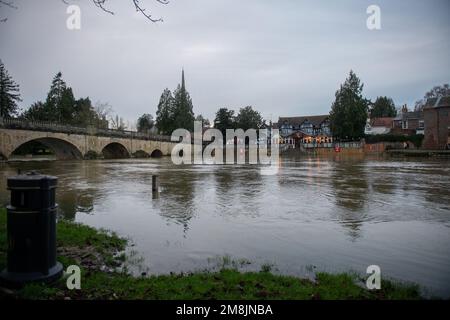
(115, 150)
(62, 149)
(156, 153)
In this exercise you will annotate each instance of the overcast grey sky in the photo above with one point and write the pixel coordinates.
(283, 57)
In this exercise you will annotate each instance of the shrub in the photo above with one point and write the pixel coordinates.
(91, 155)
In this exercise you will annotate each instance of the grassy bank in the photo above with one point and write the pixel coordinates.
(99, 254)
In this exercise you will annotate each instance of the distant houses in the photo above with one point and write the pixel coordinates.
(405, 123)
(305, 130)
(433, 122)
(408, 122)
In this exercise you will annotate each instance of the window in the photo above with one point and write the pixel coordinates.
(421, 124)
(404, 124)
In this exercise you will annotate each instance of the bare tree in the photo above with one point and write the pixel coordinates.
(142, 10)
(436, 92)
(117, 123)
(103, 110)
(102, 4)
(8, 4)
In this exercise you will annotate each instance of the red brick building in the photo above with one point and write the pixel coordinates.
(437, 123)
(408, 122)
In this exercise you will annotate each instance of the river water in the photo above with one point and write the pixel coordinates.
(327, 214)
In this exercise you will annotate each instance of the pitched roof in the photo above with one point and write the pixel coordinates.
(382, 122)
(409, 115)
(438, 102)
(296, 121)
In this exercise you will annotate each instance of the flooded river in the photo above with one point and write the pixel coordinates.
(314, 214)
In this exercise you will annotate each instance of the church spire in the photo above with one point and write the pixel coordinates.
(182, 80)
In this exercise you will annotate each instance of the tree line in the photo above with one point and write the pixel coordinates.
(348, 115)
(350, 110)
(60, 106)
(176, 111)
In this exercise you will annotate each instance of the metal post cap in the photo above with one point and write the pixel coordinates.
(31, 180)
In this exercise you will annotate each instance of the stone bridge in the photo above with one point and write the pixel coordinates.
(78, 143)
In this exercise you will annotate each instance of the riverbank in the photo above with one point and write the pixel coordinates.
(419, 153)
(100, 254)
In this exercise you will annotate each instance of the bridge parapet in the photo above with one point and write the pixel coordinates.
(20, 124)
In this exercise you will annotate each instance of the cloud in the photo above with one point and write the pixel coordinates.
(283, 57)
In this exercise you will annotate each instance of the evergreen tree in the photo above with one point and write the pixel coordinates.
(35, 112)
(183, 113)
(383, 107)
(175, 111)
(57, 89)
(164, 114)
(60, 103)
(205, 122)
(9, 94)
(61, 106)
(224, 120)
(145, 123)
(349, 111)
(84, 114)
(249, 119)
(67, 108)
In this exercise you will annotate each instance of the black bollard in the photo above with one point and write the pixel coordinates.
(155, 186)
(31, 227)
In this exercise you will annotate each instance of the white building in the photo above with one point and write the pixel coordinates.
(378, 126)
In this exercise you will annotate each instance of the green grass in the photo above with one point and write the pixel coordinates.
(79, 243)
(221, 285)
(91, 249)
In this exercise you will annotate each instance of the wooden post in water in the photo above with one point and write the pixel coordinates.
(155, 186)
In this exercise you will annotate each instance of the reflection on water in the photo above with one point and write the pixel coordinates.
(351, 189)
(337, 214)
